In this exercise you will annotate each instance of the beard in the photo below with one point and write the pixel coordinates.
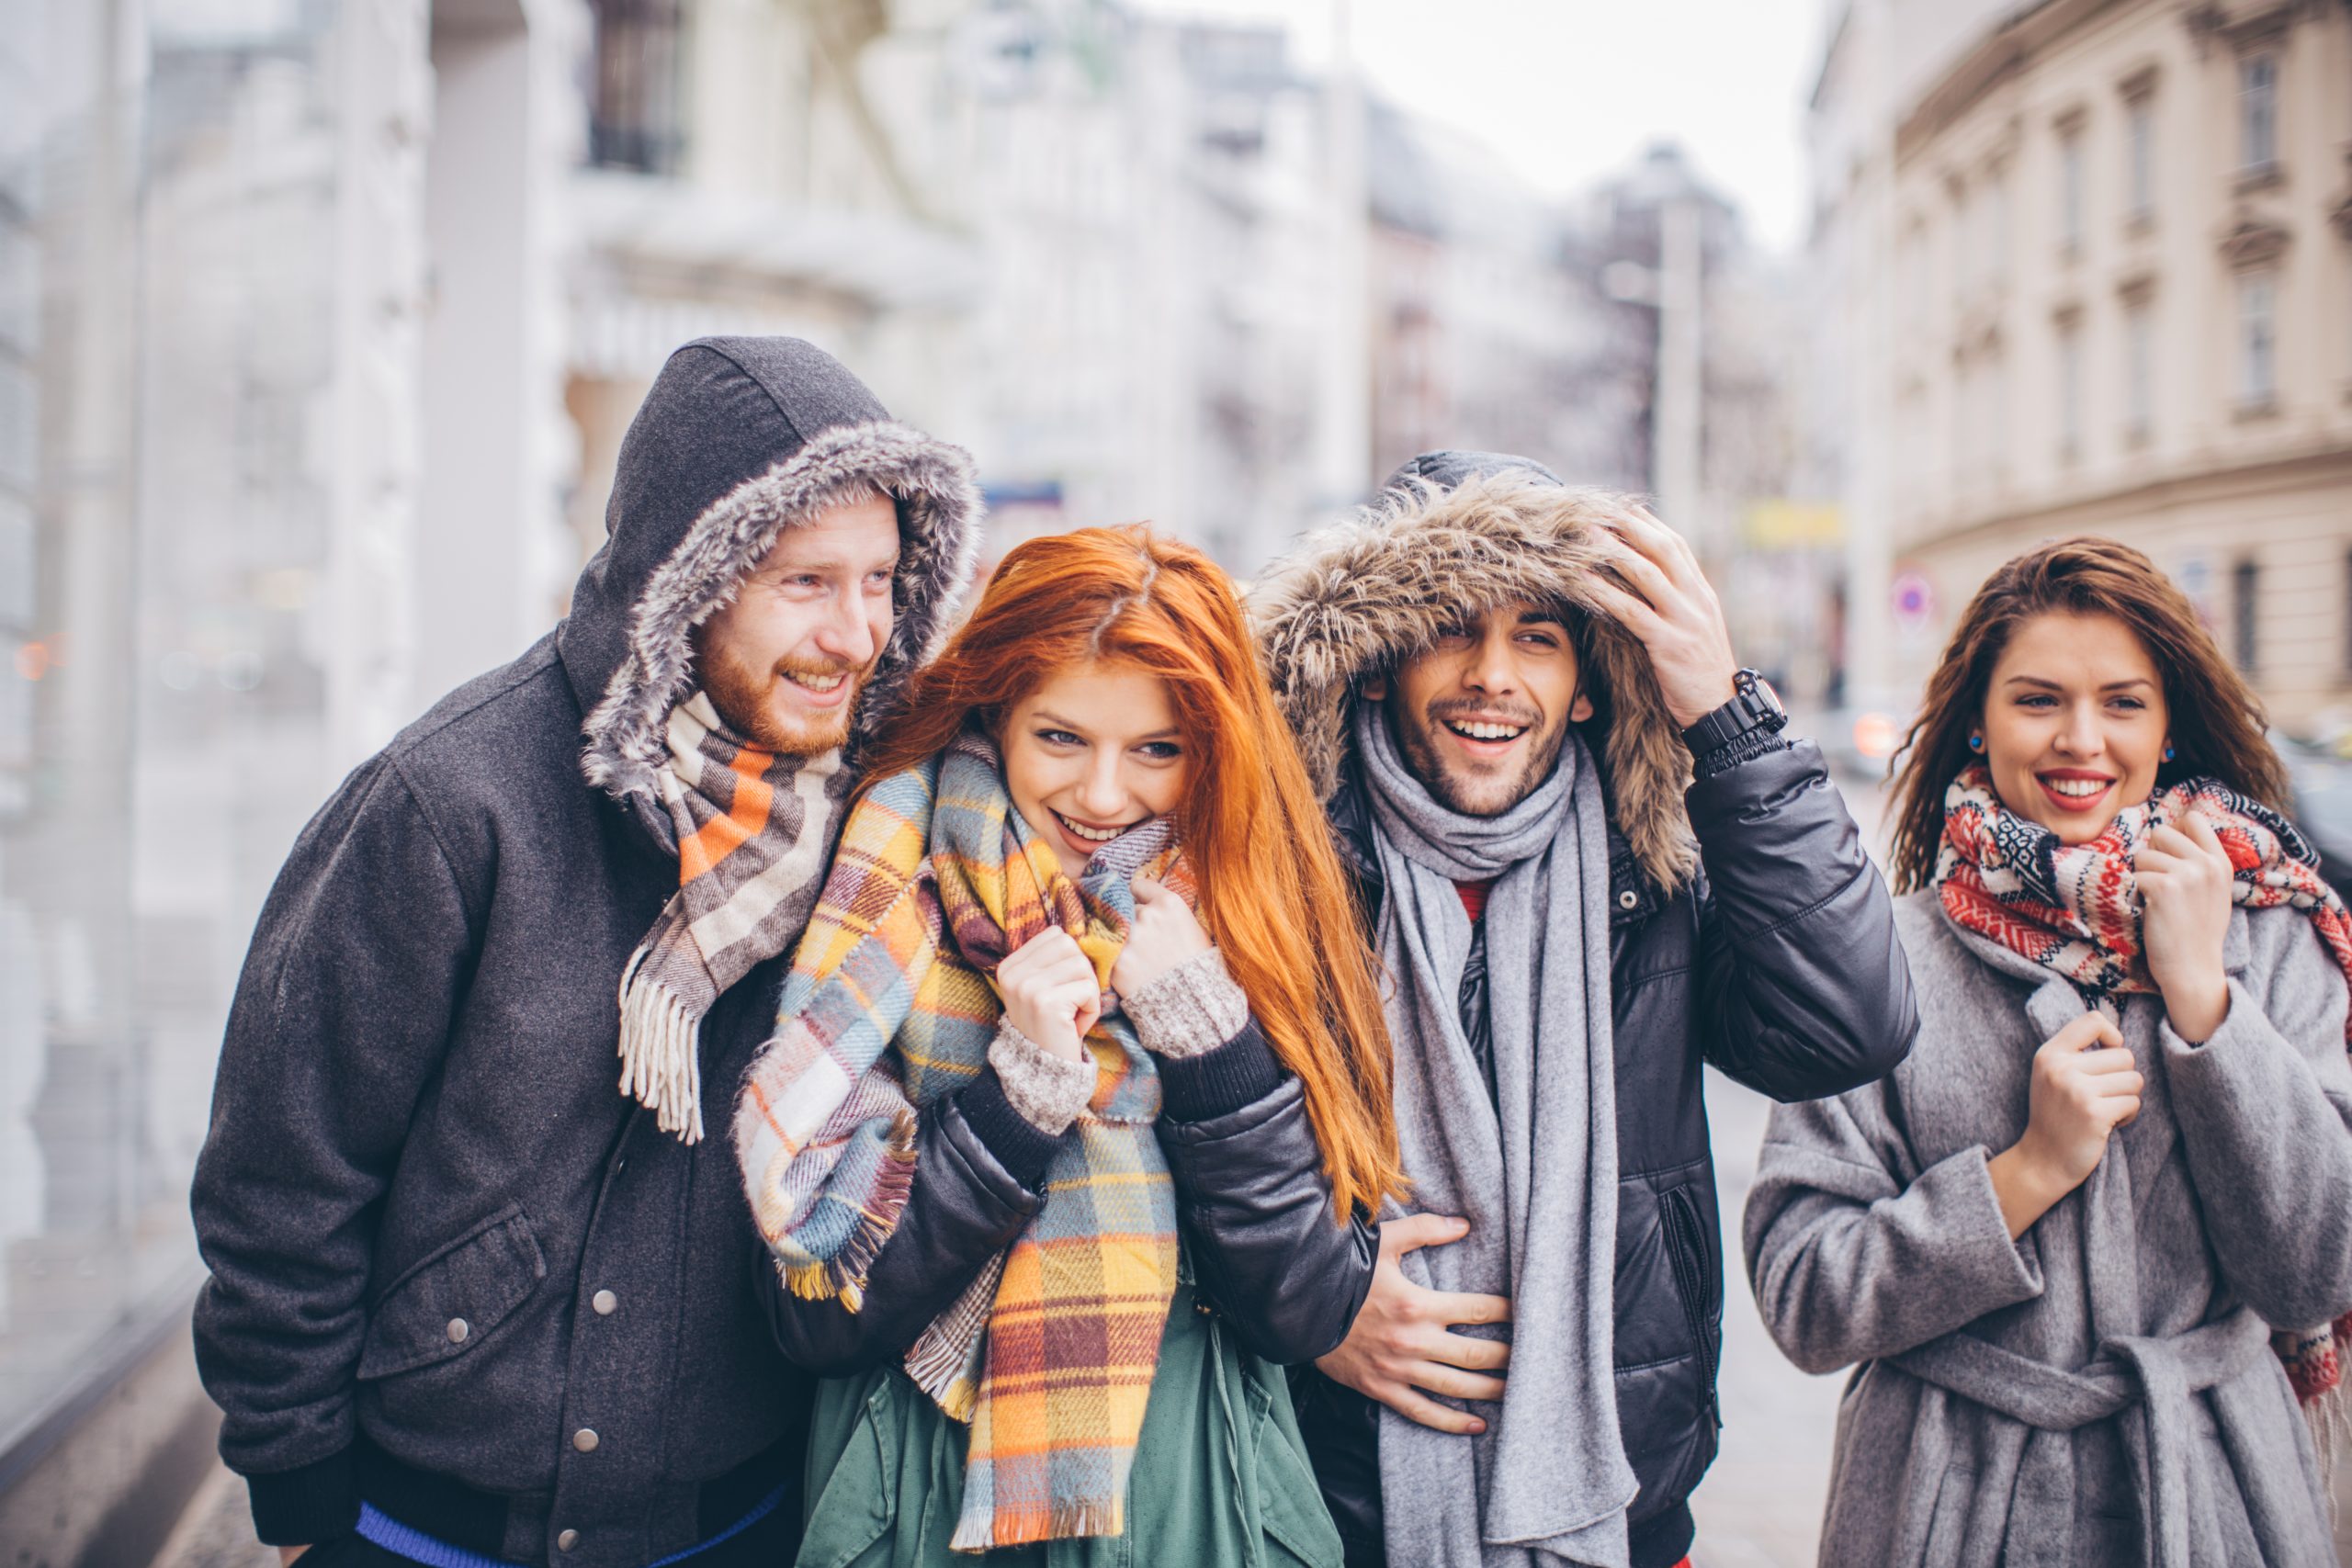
(1461, 785)
(748, 697)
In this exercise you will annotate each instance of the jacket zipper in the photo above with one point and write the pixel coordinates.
(1683, 1251)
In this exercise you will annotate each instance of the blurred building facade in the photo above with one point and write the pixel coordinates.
(280, 443)
(2093, 274)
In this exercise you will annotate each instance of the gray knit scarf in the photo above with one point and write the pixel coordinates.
(1548, 1481)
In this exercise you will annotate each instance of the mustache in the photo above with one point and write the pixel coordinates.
(1448, 709)
(823, 667)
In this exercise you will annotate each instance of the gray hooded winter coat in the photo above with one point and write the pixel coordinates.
(2101, 1389)
(454, 1271)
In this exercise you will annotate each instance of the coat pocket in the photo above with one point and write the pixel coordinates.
(444, 1304)
(1695, 1278)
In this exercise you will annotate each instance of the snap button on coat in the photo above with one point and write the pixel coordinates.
(604, 1301)
(567, 1540)
(585, 1440)
(458, 1329)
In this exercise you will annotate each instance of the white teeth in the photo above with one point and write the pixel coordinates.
(1488, 731)
(1092, 835)
(819, 683)
(2080, 789)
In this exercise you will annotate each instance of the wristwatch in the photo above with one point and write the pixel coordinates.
(1752, 707)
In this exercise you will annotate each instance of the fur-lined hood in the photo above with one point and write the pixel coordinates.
(1454, 533)
(737, 440)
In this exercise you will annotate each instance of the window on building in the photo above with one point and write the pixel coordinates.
(2139, 372)
(2070, 188)
(2245, 594)
(2257, 340)
(2257, 111)
(634, 109)
(2140, 159)
(2070, 390)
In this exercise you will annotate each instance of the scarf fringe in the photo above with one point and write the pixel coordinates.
(2329, 1415)
(843, 1275)
(661, 1051)
(1020, 1526)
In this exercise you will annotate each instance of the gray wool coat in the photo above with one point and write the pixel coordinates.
(2101, 1389)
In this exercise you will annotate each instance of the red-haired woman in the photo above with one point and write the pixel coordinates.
(2060, 1236)
(1080, 1084)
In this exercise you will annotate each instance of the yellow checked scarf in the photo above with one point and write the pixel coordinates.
(891, 1004)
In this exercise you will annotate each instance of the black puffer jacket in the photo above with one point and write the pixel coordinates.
(1775, 959)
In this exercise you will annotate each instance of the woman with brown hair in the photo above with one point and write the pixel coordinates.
(1081, 1040)
(2058, 1239)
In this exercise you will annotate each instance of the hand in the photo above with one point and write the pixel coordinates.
(287, 1554)
(1400, 1342)
(1669, 604)
(1166, 934)
(1050, 993)
(2084, 1087)
(2184, 885)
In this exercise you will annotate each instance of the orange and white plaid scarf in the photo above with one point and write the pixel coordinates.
(891, 1004)
(754, 833)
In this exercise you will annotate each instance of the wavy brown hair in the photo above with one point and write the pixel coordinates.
(1272, 896)
(2217, 721)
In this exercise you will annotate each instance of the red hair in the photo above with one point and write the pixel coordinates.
(1273, 894)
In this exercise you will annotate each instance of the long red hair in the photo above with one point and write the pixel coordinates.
(1272, 895)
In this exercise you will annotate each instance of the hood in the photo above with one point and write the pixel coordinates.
(1457, 531)
(739, 439)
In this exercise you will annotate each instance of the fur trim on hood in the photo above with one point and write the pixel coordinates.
(1357, 599)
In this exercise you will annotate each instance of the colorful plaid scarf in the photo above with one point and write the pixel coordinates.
(891, 1004)
(2077, 910)
(753, 830)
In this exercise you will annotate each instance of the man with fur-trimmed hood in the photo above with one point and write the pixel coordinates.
(1500, 683)
(482, 1288)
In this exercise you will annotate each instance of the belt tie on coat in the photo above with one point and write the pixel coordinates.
(2156, 1377)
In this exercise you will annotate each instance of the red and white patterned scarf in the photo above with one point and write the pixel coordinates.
(2075, 909)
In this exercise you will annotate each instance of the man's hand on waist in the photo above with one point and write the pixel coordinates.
(1402, 1340)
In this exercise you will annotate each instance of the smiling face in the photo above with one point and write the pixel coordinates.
(2074, 723)
(1091, 753)
(784, 662)
(1482, 715)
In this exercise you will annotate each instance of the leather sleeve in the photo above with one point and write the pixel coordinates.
(1802, 987)
(979, 1176)
(1257, 1209)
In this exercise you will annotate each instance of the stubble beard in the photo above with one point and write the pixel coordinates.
(1453, 785)
(740, 694)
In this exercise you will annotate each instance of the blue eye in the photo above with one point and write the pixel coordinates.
(1058, 738)
(1161, 751)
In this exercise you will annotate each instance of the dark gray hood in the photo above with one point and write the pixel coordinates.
(739, 439)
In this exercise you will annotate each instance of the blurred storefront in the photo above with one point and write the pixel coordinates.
(277, 441)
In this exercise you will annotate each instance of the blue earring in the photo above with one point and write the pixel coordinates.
(2167, 753)
(1977, 743)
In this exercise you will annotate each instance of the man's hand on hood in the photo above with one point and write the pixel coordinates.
(1669, 604)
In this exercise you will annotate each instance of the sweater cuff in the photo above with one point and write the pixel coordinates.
(1240, 1072)
(304, 1507)
(1190, 1011)
(1047, 1090)
(1019, 1149)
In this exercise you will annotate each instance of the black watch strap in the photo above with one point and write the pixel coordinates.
(1752, 707)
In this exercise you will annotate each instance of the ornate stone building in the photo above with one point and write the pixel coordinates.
(2096, 275)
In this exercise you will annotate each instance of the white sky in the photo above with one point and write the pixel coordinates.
(1566, 91)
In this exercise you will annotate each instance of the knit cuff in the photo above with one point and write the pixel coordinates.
(1190, 1011)
(1743, 747)
(1239, 1073)
(1047, 1090)
(301, 1508)
(1024, 1152)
